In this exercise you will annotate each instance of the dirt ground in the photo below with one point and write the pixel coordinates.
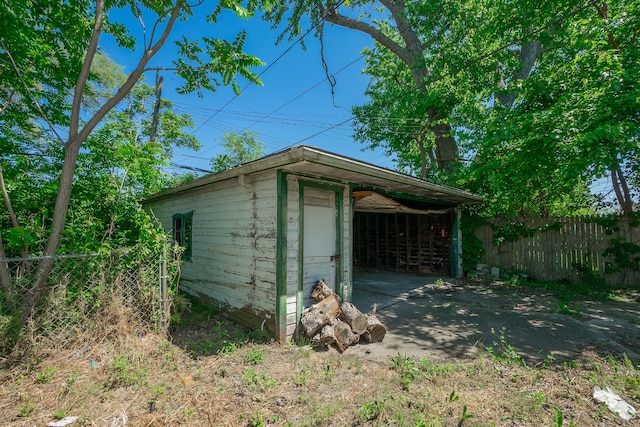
(465, 354)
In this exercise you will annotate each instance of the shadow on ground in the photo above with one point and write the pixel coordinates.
(427, 316)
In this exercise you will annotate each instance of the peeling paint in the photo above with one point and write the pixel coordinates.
(248, 316)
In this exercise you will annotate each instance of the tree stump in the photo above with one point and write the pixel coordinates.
(375, 330)
(354, 318)
(318, 315)
(320, 291)
(344, 335)
(325, 337)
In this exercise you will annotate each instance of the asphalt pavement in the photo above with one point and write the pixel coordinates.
(443, 319)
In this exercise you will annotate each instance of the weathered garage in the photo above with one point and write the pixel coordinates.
(258, 236)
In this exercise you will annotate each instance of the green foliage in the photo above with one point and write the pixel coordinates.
(239, 148)
(372, 411)
(126, 371)
(472, 248)
(465, 416)
(254, 357)
(45, 376)
(406, 367)
(59, 414)
(10, 327)
(504, 352)
(541, 98)
(515, 230)
(27, 408)
(621, 254)
(228, 347)
(258, 381)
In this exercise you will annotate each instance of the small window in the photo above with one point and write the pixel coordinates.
(182, 227)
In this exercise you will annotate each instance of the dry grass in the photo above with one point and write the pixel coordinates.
(216, 373)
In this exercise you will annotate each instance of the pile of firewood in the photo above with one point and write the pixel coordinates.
(331, 321)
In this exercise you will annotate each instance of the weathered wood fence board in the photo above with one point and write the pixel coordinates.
(562, 252)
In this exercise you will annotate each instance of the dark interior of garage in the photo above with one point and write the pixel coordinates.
(403, 242)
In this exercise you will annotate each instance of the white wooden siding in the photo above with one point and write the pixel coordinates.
(293, 215)
(345, 256)
(233, 242)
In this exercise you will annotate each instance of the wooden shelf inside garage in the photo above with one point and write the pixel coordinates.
(402, 242)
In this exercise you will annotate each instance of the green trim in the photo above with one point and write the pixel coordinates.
(281, 256)
(300, 292)
(184, 236)
(339, 244)
(455, 236)
(350, 275)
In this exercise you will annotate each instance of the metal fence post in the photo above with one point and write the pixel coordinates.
(164, 291)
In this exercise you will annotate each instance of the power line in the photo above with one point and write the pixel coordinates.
(464, 66)
(286, 51)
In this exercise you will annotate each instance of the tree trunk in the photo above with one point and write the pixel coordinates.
(447, 152)
(344, 335)
(620, 187)
(354, 318)
(320, 291)
(5, 274)
(375, 330)
(529, 54)
(325, 337)
(5, 279)
(77, 137)
(411, 53)
(318, 315)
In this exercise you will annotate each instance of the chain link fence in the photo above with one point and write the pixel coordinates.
(120, 292)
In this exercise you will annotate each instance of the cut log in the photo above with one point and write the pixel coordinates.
(320, 291)
(344, 335)
(318, 315)
(354, 318)
(375, 329)
(325, 337)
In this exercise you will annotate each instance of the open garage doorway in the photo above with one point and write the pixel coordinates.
(399, 245)
(391, 234)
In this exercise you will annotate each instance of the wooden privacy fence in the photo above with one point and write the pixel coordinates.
(557, 248)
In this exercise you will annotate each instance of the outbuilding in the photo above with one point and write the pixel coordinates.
(258, 236)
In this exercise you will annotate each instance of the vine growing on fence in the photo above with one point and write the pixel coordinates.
(622, 253)
(471, 245)
(514, 230)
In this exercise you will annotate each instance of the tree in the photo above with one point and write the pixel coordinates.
(399, 32)
(574, 121)
(514, 86)
(74, 36)
(240, 148)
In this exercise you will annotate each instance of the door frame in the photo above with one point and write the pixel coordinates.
(339, 210)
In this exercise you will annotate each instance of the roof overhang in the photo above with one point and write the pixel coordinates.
(372, 202)
(312, 161)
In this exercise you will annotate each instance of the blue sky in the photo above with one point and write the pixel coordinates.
(293, 107)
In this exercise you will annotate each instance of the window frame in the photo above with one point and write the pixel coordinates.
(184, 235)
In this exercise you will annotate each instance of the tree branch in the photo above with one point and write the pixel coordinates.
(5, 275)
(330, 14)
(7, 201)
(84, 72)
(134, 76)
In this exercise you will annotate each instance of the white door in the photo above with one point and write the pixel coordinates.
(319, 249)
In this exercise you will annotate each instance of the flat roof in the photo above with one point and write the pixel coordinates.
(316, 162)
